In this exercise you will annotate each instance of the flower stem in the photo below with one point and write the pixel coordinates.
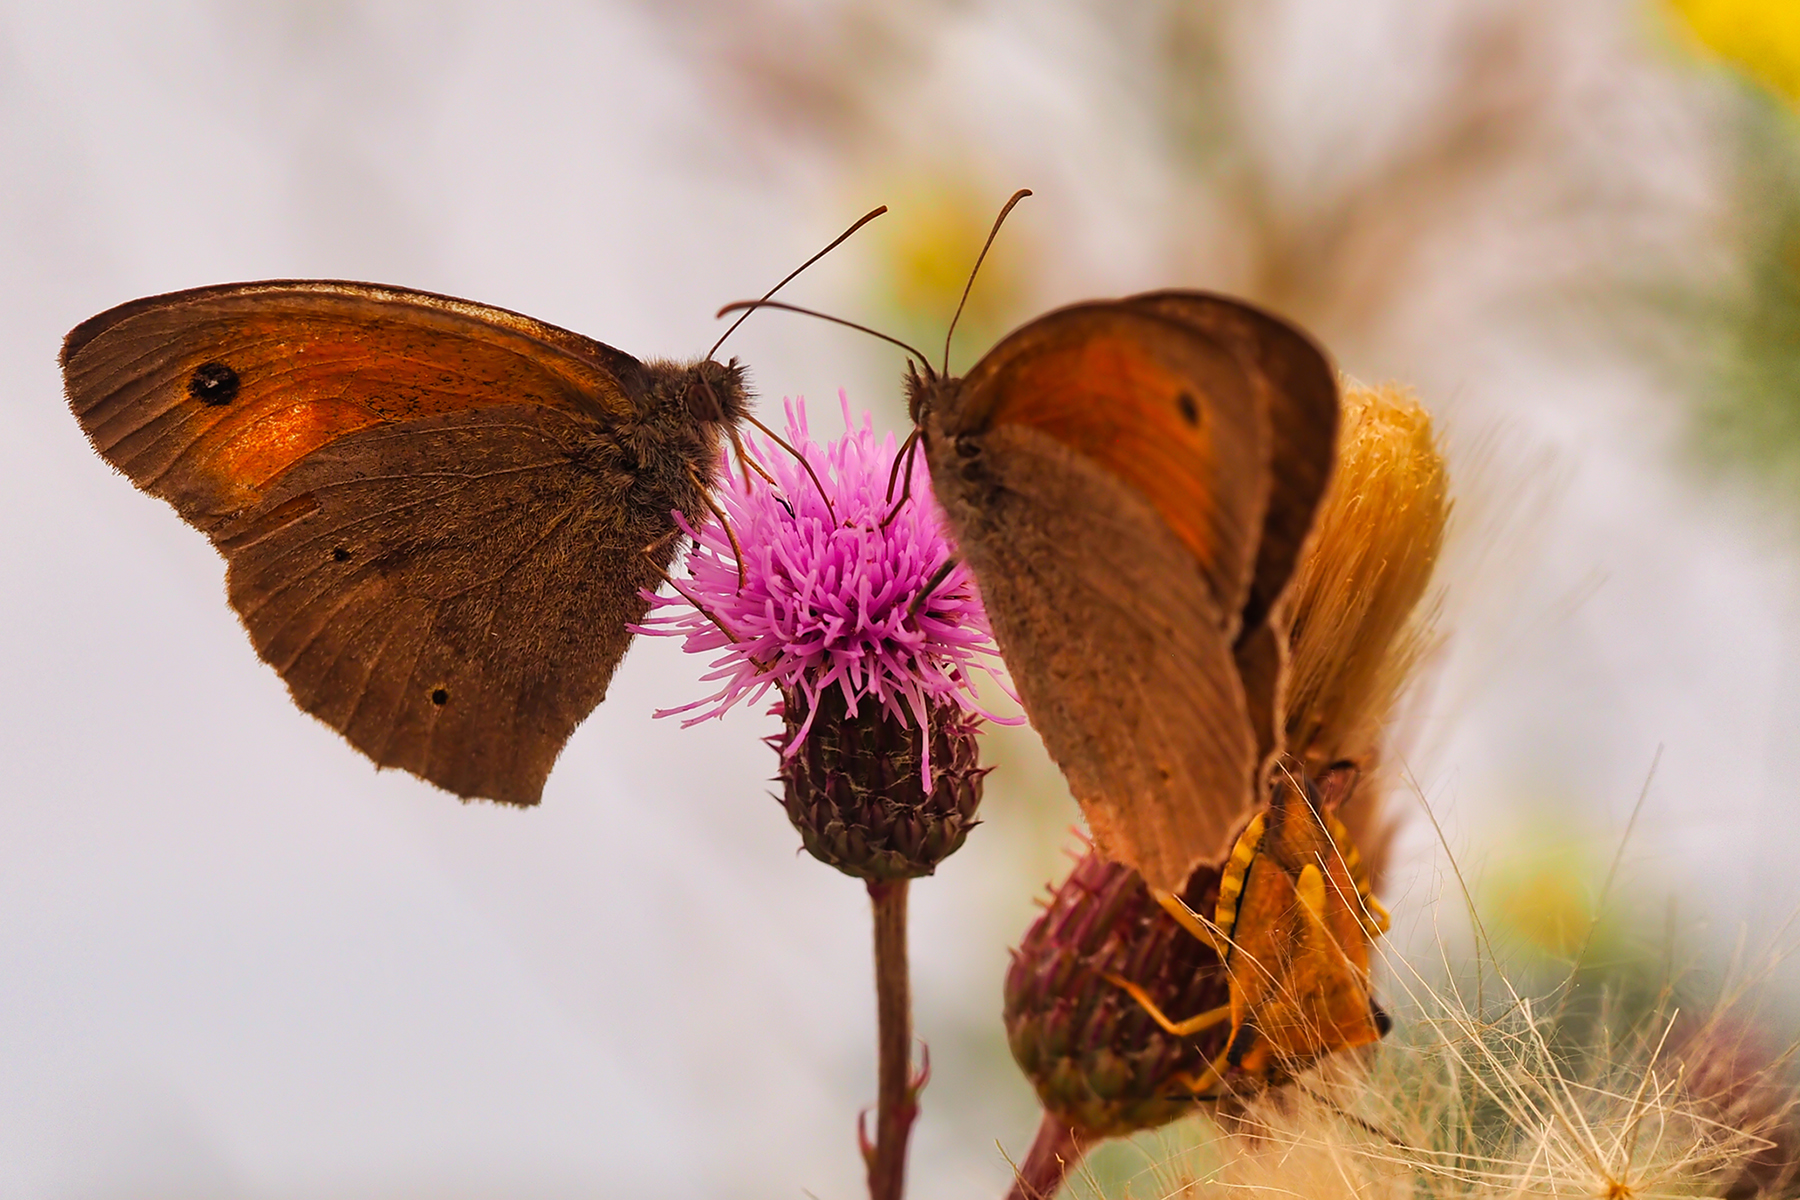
(897, 1088)
(1053, 1155)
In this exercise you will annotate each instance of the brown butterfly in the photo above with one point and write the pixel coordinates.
(1132, 482)
(438, 516)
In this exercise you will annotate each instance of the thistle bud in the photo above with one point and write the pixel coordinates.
(856, 789)
(1354, 626)
(1100, 1064)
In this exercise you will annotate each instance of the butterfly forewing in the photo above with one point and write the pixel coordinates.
(423, 504)
(1299, 386)
(1162, 406)
(204, 397)
(1104, 470)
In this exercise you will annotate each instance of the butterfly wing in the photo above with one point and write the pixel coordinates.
(1297, 382)
(419, 500)
(1105, 472)
(1298, 386)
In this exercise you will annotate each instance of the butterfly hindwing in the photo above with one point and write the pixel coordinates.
(455, 622)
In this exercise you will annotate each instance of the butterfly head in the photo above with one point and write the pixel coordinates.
(925, 389)
(714, 393)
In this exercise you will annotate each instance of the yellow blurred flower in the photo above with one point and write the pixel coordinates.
(1761, 37)
(927, 250)
(1539, 888)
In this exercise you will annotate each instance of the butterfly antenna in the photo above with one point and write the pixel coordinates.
(992, 233)
(865, 219)
(801, 459)
(735, 305)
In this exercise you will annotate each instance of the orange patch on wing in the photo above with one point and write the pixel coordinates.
(1142, 415)
(269, 443)
(401, 372)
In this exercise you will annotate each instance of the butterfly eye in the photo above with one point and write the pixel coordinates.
(703, 404)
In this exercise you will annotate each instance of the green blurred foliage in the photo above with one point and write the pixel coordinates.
(1747, 391)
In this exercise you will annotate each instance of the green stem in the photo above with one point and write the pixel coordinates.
(897, 1090)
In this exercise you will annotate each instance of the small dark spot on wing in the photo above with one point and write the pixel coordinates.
(340, 554)
(440, 696)
(1190, 411)
(213, 383)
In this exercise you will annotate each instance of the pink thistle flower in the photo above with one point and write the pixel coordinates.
(850, 620)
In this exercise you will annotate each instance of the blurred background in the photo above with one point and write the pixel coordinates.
(236, 962)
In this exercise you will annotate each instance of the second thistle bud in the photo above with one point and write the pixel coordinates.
(1100, 1064)
(876, 797)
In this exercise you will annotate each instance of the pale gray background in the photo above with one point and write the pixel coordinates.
(236, 962)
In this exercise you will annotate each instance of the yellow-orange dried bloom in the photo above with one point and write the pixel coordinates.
(1356, 630)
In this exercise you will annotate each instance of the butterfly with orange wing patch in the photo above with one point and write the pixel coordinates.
(438, 516)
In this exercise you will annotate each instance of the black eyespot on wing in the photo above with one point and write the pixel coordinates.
(1190, 411)
(341, 554)
(440, 696)
(213, 383)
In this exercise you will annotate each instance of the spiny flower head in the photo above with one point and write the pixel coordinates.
(829, 593)
(855, 607)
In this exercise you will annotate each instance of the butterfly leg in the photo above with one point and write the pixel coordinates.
(1199, 1083)
(718, 513)
(1188, 919)
(1180, 1029)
